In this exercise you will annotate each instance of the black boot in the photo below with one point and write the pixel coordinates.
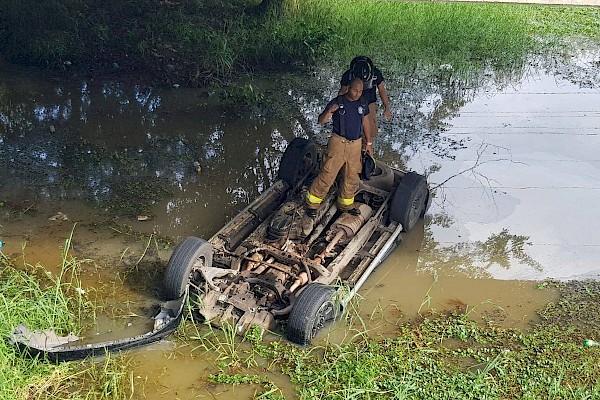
(308, 221)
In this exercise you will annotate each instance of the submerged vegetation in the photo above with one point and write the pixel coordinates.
(207, 41)
(442, 356)
(41, 300)
(439, 356)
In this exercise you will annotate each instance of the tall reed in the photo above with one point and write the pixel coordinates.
(408, 33)
(43, 300)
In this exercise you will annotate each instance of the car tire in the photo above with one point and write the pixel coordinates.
(315, 307)
(382, 178)
(299, 158)
(181, 264)
(409, 201)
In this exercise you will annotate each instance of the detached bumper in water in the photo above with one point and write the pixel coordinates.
(65, 348)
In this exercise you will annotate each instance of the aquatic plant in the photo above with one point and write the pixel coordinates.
(42, 300)
(448, 355)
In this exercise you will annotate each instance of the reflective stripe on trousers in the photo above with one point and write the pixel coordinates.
(341, 154)
(313, 199)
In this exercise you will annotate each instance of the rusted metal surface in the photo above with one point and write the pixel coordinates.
(269, 258)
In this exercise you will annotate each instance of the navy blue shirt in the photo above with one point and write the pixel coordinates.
(369, 87)
(348, 119)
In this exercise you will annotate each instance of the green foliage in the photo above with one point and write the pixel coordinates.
(269, 390)
(43, 300)
(415, 33)
(447, 356)
(560, 22)
(238, 95)
(205, 41)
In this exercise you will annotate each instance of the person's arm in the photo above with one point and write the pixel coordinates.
(327, 113)
(368, 129)
(387, 112)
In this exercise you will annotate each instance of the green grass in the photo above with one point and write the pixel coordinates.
(561, 22)
(448, 358)
(206, 42)
(411, 33)
(445, 356)
(42, 300)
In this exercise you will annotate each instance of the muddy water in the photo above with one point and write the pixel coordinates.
(513, 162)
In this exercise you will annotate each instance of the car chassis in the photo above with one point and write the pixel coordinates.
(261, 269)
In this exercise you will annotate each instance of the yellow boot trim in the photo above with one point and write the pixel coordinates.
(346, 202)
(313, 199)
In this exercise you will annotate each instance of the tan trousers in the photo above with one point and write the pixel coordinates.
(341, 154)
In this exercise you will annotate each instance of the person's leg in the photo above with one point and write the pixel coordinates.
(334, 159)
(351, 170)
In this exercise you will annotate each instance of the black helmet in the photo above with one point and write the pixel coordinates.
(361, 58)
(368, 166)
(361, 67)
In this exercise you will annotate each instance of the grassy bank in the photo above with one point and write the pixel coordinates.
(443, 356)
(41, 300)
(207, 41)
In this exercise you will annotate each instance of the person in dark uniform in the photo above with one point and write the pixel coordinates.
(350, 124)
(362, 67)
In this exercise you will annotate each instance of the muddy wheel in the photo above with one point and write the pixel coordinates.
(314, 308)
(299, 158)
(409, 201)
(427, 203)
(382, 178)
(192, 252)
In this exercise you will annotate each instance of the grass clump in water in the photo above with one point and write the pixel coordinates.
(42, 300)
(450, 356)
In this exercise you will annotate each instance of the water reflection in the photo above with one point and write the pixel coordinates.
(126, 147)
(475, 258)
(527, 182)
(488, 139)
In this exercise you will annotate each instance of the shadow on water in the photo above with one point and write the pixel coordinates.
(139, 167)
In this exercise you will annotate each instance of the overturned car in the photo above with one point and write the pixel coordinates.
(262, 269)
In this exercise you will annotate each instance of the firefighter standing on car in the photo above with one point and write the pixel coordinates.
(350, 123)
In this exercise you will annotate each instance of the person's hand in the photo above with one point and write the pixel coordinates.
(334, 107)
(387, 113)
(369, 148)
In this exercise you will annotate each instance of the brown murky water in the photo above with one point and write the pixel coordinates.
(513, 160)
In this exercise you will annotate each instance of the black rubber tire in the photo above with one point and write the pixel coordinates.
(382, 178)
(315, 306)
(181, 263)
(299, 157)
(409, 200)
(427, 203)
